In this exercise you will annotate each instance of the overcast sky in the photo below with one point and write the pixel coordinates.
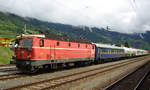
(125, 16)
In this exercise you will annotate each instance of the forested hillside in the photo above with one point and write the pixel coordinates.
(11, 25)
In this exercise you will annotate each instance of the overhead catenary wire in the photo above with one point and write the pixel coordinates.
(134, 5)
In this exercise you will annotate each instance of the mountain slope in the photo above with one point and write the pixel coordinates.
(13, 24)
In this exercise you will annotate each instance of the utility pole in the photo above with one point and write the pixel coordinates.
(25, 30)
(108, 36)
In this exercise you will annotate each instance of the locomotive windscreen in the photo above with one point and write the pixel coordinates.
(27, 43)
(17, 43)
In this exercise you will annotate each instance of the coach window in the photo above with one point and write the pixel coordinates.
(57, 43)
(110, 51)
(41, 43)
(78, 45)
(69, 44)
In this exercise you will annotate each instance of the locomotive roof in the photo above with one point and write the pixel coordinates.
(31, 35)
(56, 37)
(67, 38)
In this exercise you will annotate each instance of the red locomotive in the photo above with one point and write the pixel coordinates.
(35, 51)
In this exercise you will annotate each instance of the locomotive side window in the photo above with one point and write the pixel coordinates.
(27, 42)
(41, 43)
(57, 43)
(86, 45)
(78, 45)
(69, 44)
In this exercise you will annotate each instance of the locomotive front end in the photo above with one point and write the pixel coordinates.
(23, 53)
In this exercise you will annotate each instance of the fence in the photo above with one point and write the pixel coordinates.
(5, 42)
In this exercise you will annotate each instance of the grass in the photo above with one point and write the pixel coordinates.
(7, 33)
(5, 55)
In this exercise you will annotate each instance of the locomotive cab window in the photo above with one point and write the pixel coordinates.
(69, 44)
(41, 43)
(17, 42)
(27, 42)
(57, 43)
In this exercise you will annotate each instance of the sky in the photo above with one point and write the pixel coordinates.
(126, 16)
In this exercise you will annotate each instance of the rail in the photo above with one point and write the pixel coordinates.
(142, 80)
(111, 86)
(57, 81)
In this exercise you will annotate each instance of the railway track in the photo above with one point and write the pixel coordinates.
(144, 82)
(8, 69)
(133, 80)
(6, 65)
(10, 76)
(51, 83)
(8, 72)
(5, 68)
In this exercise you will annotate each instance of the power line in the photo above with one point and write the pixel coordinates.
(134, 5)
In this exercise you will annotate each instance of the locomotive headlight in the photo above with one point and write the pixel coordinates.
(28, 57)
(27, 62)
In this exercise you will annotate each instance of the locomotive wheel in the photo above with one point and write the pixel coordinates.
(33, 70)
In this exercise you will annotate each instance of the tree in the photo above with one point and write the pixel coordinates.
(127, 44)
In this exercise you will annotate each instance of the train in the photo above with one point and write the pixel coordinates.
(34, 52)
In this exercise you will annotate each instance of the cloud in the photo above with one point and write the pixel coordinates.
(124, 16)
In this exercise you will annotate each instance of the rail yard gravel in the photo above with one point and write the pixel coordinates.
(100, 81)
(131, 81)
(94, 82)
